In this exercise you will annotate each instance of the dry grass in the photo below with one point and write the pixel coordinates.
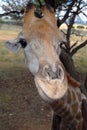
(8, 32)
(80, 60)
(81, 27)
(79, 39)
(8, 60)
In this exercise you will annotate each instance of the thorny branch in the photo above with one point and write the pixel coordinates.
(78, 47)
(12, 12)
(74, 45)
(68, 11)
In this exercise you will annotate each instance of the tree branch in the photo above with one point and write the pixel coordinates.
(12, 12)
(84, 6)
(70, 24)
(68, 11)
(73, 45)
(78, 47)
(84, 13)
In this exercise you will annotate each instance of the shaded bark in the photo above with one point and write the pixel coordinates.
(70, 68)
(84, 113)
(56, 122)
(68, 64)
(85, 84)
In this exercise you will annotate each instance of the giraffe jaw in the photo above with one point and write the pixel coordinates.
(51, 90)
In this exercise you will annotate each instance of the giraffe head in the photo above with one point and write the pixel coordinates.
(42, 50)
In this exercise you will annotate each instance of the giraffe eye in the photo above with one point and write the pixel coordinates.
(23, 43)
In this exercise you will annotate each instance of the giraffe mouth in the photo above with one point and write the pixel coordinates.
(51, 87)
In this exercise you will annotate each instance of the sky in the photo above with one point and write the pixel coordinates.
(0, 6)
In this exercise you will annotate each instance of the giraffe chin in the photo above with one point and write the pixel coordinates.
(51, 90)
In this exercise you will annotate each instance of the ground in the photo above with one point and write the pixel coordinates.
(21, 108)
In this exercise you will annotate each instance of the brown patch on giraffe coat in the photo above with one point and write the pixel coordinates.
(79, 96)
(63, 126)
(69, 97)
(73, 96)
(66, 113)
(58, 103)
(74, 122)
(61, 111)
(80, 125)
(69, 117)
(61, 102)
(75, 108)
(79, 115)
(72, 81)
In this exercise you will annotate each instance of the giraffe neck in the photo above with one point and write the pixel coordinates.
(69, 107)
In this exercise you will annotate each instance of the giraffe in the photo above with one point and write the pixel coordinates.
(68, 107)
(40, 40)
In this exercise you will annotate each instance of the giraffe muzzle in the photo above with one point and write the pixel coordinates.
(51, 83)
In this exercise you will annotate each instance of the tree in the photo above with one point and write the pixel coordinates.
(69, 19)
(14, 8)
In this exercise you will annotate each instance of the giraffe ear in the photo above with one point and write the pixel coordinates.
(72, 81)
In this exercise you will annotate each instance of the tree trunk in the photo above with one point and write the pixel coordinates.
(70, 67)
(56, 122)
(86, 82)
(84, 113)
(68, 64)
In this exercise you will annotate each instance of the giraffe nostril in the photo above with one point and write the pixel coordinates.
(60, 73)
(49, 73)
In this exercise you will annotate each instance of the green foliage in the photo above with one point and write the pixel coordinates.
(80, 59)
(81, 27)
(11, 70)
(2, 21)
(8, 56)
(60, 2)
(73, 27)
(10, 63)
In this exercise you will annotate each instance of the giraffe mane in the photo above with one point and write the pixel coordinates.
(72, 81)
